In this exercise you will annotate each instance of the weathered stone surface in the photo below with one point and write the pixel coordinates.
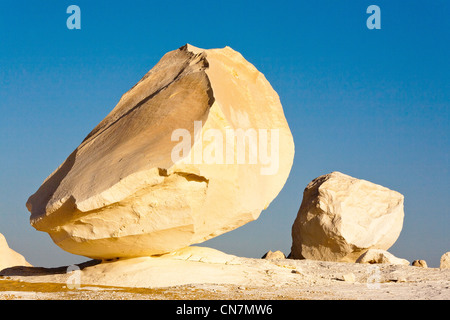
(273, 255)
(380, 256)
(420, 263)
(132, 188)
(349, 277)
(445, 261)
(341, 217)
(9, 257)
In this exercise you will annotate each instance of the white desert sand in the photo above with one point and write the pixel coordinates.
(204, 273)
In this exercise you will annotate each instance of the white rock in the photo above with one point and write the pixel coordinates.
(273, 255)
(134, 187)
(445, 261)
(349, 277)
(419, 263)
(9, 257)
(373, 256)
(340, 217)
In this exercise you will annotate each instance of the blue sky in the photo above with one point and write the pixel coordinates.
(373, 104)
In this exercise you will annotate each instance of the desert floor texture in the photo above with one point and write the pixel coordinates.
(258, 279)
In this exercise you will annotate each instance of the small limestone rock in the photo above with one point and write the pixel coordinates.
(445, 261)
(373, 256)
(420, 263)
(396, 279)
(349, 277)
(9, 257)
(341, 216)
(277, 255)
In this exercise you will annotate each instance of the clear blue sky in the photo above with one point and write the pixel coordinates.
(373, 104)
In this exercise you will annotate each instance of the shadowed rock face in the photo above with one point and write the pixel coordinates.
(122, 194)
(341, 217)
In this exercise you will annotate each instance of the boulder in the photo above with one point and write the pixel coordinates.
(341, 217)
(274, 255)
(445, 261)
(373, 256)
(419, 263)
(198, 147)
(9, 257)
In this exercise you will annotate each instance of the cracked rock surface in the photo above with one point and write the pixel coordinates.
(121, 193)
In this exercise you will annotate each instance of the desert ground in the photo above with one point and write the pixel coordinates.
(225, 277)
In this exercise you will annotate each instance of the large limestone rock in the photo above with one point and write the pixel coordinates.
(9, 257)
(198, 147)
(341, 217)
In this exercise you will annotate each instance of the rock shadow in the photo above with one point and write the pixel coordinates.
(25, 271)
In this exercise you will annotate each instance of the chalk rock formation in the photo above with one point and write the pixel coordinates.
(348, 277)
(380, 256)
(419, 263)
(341, 217)
(198, 147)
(9, 257)
(273, 255)
(445, 261)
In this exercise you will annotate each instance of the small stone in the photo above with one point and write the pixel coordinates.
(296, 271)
(397, 279)
(445, 261)
(401, 279)
(349, 277)
(420, 263)
(277, 255)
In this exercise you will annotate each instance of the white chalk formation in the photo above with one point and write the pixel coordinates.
(161, 172)
(9, 257)
(341, 217)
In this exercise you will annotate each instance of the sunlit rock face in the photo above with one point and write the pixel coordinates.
(9, 257)
(341, 217)
(198, 147)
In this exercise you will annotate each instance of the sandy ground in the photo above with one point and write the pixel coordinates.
(13, 290)
(235, 279)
